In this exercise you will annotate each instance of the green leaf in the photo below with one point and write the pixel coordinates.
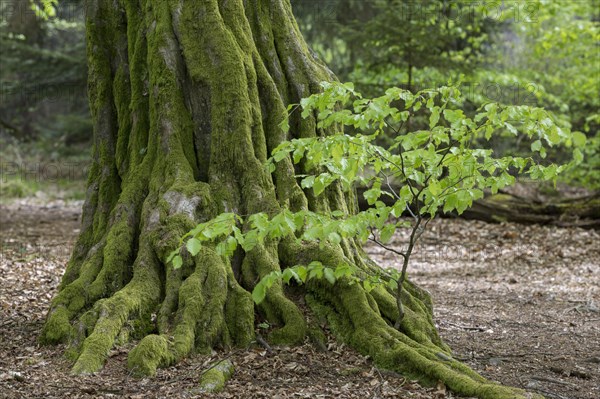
(579, 139)
(577, 156)
(298, 154)
(279, 155)
(450, 203)
(372, 195)
(434, 188)
(172, 255)
(554, 136)
(338, 214)
(392, 284)
(259, 292)
(343, 270)
(285, 124)
(329, 275)
(177, 262)
(337, 152)
(250, 240)
(231, 245)
(387, 232)
(319, 186)
(308, 182)
(434, 117)
(536, 145)
(288, 274)
(302, 272)
(453, 115)
(260, 221)
(315, 269)
(193, 246)
(221, 249)
(239, 236)
(334, 237)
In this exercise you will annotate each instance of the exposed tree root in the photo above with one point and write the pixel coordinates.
(354, 320)
(202, 305)
(213, 380)
(213, 310)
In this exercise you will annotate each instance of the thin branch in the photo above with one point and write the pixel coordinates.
(382, 245)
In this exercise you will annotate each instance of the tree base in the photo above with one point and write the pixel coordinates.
(213, 310)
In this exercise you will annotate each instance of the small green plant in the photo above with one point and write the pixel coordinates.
(423, 172)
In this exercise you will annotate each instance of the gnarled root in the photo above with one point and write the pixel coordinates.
(354, 318)
(365, 321)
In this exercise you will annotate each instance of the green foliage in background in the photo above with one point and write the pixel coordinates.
(539, 53)
(43, 72)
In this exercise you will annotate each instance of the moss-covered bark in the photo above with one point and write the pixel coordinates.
(186, 99)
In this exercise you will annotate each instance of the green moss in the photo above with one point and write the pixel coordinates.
(141, 325)
(72, 297)
(239, 313)
(123, 337)
(138, 296)
(294, 327)
(148, 355)
(94, 354)
(355, 321)
(278, 309)
(97, 346)
(57, 327)
(317, 337)
(72, 353)
(213, 380)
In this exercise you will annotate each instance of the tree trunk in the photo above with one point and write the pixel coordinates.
(186, 98)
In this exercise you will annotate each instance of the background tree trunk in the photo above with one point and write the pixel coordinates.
(186, 99)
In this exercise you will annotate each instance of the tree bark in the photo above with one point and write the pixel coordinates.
(186, 99)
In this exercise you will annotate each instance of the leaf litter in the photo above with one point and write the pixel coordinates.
(517, 303)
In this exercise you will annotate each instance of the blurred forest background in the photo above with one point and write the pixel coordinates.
(540, 53)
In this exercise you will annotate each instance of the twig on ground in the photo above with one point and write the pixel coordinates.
(468, 328)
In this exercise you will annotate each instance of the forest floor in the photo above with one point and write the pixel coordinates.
(519, 304)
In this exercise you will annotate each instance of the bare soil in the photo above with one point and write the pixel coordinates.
(520, 304)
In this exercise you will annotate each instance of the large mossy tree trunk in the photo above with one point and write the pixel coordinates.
(186, 97)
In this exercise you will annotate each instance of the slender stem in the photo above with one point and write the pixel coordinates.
(416, 233)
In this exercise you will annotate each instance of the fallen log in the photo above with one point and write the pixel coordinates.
(583, 211)
(505, 207)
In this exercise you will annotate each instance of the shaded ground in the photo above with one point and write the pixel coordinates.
(517, 303)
